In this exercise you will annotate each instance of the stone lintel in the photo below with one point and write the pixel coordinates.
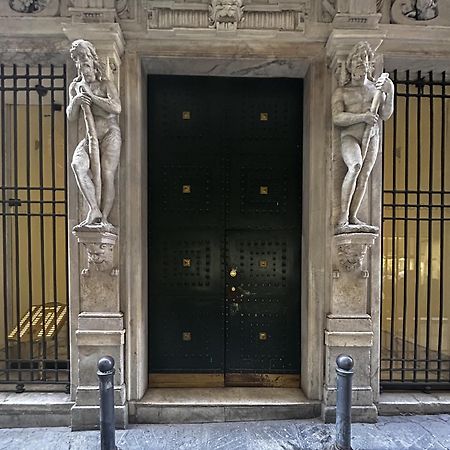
(100, 321)
(356, 323)
(348, 338)
(100, 338)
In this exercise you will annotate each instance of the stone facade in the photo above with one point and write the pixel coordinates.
(340, 299)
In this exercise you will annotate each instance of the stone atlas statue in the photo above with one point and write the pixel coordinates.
(96, 158)
(358, 104)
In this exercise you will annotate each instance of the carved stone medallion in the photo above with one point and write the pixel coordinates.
(28, 6)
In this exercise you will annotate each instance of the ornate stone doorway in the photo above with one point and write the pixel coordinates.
(224, 247)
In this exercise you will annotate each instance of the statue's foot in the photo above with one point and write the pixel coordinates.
(107, 226)
(355, 221)
(93, 219)
(342, 227)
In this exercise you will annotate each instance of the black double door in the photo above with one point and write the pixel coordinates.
(224, 223)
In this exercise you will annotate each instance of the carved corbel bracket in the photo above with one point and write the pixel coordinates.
(351, 248)
(99, 246)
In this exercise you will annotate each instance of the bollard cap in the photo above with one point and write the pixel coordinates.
(105, 364)
(344, 362)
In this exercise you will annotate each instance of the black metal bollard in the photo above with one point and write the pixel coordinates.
(344, 376)
(106, 384)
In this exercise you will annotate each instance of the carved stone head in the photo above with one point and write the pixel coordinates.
(100, 256)
(351, 256)
(84, 55)
(226, 11)
(360, 62)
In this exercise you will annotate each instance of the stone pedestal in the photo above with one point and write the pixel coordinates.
(100, 330)
(349, 327)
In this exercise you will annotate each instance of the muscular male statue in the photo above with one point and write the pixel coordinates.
(96, 157)
(357, 106)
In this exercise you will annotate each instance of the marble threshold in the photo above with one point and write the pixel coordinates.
(197, 405)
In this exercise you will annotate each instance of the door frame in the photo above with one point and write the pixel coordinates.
(315, 237)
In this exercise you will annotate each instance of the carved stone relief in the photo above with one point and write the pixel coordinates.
(328, 10)
(358, 104)
(419, 9)
(225, 14)
(421, 12)
(29, 7)
(352, 249)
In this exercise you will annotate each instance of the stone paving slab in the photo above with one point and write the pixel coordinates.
(390, 433)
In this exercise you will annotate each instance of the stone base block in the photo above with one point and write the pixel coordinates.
(88, 417)
(203, 414)
(363, 414)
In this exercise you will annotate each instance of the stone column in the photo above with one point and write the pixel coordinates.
(100, 323)
(350, 326)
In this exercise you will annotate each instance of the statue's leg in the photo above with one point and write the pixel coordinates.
(351, 154)
(361, 185)
(110, 151)
(80, 167)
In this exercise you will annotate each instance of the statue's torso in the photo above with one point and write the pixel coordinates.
(358, 100)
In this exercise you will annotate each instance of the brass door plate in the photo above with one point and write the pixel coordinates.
(263, 117)
(186, 262)
(187, 336)
(186, 115)
(263, 336)
(264, 190)
(186, 188)
(263, 264)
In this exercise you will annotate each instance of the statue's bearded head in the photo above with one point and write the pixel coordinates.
(86, 60)
(360, 62)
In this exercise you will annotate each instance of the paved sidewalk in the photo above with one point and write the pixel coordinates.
(394, 433)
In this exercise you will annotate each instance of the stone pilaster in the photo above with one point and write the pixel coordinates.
(350, 327)
(100, 325)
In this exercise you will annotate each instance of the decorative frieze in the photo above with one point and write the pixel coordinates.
(228, 15)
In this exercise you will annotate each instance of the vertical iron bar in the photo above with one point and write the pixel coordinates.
(53, 174)
(5, 272)
(416, 306)
(16, 223)
(394, 205)
(430, 229)
(405, 237)
(30, 263)
(66, 212)
(442, 223)
(41, 229)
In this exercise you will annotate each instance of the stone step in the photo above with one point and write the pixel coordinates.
(34, 409)
(197, 405)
